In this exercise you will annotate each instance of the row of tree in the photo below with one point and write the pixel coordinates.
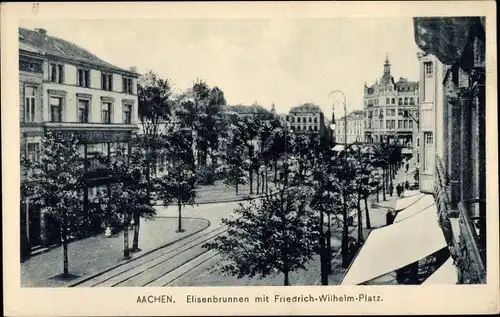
(321, 192)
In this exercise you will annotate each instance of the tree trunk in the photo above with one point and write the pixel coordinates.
(236, 187)
(275, 170)
(126, 252)
(368, 222)
(345, 237)
(360, 220)
(378, 190)
(258, 181)
(137, 226)
(65, 252)
(383, 184)
(322, 251)
(287, 281)
(329, 247)
(179, 224)
(251, 180)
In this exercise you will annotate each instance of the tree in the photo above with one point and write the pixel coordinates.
(57, 185)
(154, 108)
(276, 235)
(178, 187)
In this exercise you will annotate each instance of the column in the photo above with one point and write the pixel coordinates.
(454, 152)
(466, 184)
(444, 143)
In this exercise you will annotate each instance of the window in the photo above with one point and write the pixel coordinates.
(287, 118)
(393, 101)
(30, 103)
(83, 111)
(315, 128)
(381, 124)
(34, 152)
(315, 120)
(298, 119)
(410, 123)
(56, 73)
(83, 79)
(412, 101)
(127, 85)
(406, 124)
(310, 119)
(55, 109)
(310, 128)
(400, 101)
(107, 82)
(400, 124)
(428, 68)
(387, 101)
(106, 112)
(127, 114)
(406, 100)
(428, 138)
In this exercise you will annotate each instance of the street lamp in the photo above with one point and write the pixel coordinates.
(345, 228)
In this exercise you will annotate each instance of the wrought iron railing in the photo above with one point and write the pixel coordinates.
(472, 245)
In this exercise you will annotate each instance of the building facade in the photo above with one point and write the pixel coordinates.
(308, 118)
(355, 128)
(67, 90)
(453, 127)
(391, 109)
(432, 73)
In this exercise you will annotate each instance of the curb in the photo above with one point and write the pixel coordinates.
(85, 279)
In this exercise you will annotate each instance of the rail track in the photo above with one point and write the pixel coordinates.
(162, 267)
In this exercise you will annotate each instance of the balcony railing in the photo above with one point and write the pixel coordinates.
(472, 244)
(468, 246)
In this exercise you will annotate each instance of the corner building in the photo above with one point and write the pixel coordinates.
(66, 89)
(391, 110)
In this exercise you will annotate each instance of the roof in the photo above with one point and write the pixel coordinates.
(61, 48)
(307, 107)
(355, 115)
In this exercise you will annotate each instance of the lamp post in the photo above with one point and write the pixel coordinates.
(345, 228)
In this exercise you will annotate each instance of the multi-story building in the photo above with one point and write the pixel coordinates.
(453, 142)
(355, 128)
(66, 89)
(391, 109)
(309, 118)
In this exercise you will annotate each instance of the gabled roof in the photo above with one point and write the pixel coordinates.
(61, 48)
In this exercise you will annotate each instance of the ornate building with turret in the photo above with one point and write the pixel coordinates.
(391, 109)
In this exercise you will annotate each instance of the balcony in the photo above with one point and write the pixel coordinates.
(464, 229)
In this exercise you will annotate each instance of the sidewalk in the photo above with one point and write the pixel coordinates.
(94, 254)
(218, 193)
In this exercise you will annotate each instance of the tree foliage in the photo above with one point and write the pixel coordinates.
(276, 235)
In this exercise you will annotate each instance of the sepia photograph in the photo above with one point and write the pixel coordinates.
(259, 151)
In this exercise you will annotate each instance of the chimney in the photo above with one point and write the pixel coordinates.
(42, 32)
(133, 69)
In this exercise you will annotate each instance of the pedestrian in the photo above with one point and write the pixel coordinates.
(391, 189)
(399, 189)
(407, 185)
(407, 167)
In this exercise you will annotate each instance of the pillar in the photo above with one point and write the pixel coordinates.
(445, 141)
(466, 184)
(454, 152)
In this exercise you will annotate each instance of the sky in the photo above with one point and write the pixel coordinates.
(282, 61)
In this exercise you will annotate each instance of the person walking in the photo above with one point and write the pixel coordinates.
(407, 167)
(399, 190)
(391, 189)
(407, 185)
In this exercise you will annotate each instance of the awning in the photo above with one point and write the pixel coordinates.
(422, 204)
(445, 274)
(396, 246)
(410, 197)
